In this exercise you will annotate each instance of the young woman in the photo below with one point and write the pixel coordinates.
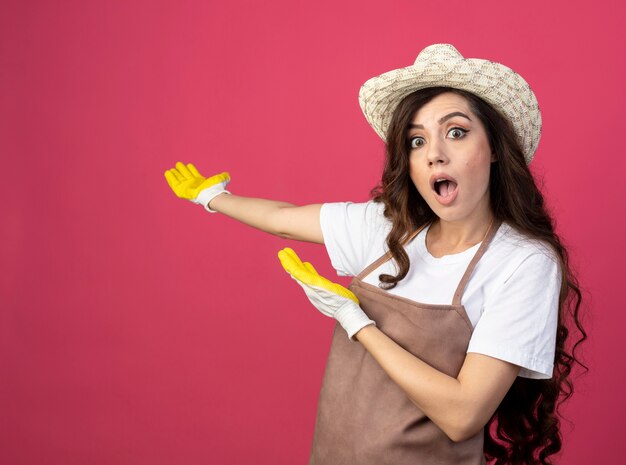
(450, 344)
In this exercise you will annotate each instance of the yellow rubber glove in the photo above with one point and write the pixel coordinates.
(188, 183)
(330, 298)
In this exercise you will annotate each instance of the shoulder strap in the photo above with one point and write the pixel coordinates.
(477, 256)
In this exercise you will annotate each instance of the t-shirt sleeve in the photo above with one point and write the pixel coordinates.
(519, 320)
(349, 231)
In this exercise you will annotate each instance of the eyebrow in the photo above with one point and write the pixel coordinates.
(443, 119)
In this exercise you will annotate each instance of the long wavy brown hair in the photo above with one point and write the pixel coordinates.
(525, 429)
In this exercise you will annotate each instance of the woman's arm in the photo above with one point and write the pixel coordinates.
(278, 218)
(522, 317)
(459, 406)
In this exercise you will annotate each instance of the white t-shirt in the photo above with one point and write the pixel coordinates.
(511, 298)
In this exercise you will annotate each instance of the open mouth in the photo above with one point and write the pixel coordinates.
(444, 187)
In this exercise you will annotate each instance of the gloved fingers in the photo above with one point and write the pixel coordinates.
(310, 268)
(290, 256)
(307, 274)
(294, 266)
(179, 177)
(289, 260)
(172, 180)
(194, 172)
(184, 171)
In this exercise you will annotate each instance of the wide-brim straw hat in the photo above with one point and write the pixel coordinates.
(441, 65)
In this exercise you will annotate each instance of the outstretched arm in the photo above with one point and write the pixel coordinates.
(278, 218)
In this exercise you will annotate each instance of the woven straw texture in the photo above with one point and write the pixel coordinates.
(441, 65)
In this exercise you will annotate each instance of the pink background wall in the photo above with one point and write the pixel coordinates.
(135, 328)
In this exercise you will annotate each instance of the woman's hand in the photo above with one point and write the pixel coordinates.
(188, 183)
(330, 298)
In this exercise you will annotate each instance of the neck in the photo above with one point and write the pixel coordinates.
(448, 237)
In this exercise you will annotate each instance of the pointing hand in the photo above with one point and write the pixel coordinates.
(188, 183)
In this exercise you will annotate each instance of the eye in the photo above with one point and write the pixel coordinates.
(415, 142)
(457, 133)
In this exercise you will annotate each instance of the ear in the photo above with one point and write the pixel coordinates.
(494, 157)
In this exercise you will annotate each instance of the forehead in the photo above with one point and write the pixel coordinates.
(442, 105)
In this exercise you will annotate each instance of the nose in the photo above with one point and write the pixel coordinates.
(436, 153)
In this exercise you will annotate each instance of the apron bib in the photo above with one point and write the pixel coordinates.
(365, 418)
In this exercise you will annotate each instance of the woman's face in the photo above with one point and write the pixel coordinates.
(450, 159)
